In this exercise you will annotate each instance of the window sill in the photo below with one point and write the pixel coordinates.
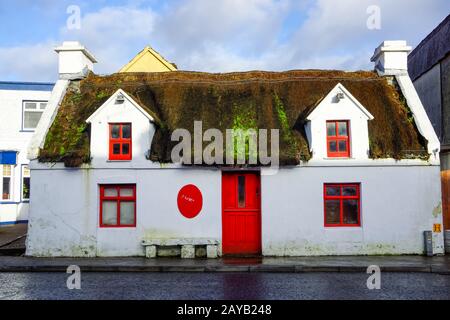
(339, 158)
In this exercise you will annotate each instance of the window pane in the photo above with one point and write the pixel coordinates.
(126, 131)
(342, 146)
(241, 191)
(6, 170)
(331, 129)
(332, 211)
(43, 105)
(31, 119)
(109, 213)
(115, 131)
(332, 147)
(349, 191)
(116, 148)
(126, 148)
(26, 188)
(342, 128)
(128, 192)
(333, 190)
(110, 192)
(30, 105)
(127, 213)
(26, 171)
(350, 211)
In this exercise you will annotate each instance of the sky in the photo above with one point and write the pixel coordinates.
(210, 35)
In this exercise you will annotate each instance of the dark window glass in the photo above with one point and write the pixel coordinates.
(349, 191)
(342, 146)
(115, 131)
(126, 131)
(26, 188)
(241, 191)
(331, 129)
(332, 211)
(126, 148)
(350, 208)
(116, 148)
(6, 188)
(342, 128)
(333, 191)
(332, 146)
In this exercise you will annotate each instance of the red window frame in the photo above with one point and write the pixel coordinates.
(341, 197)
(337, 138)
(120, 141)
(118, 199)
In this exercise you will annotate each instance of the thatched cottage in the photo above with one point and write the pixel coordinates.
(357, 163)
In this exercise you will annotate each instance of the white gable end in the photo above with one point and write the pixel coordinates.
(339, 105)
(120, 108)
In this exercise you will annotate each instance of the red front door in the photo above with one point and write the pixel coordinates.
(241, 213)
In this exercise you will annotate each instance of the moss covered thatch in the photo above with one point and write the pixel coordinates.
(256, 99)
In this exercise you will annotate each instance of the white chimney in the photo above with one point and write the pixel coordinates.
(391, 58)
(74, 60)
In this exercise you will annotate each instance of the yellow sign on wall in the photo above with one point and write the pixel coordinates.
(437, 227)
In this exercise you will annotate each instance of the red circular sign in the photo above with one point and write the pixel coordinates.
(190, 201)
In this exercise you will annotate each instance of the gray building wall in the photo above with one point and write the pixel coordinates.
(428, 86)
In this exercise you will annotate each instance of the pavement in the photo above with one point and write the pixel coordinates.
(418, 264)
(12, 239)
(12, 248)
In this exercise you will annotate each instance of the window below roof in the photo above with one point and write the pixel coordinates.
(32, 113)
(120, 143)
(338, 139)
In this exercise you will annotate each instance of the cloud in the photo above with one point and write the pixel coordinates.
(231, 35)
(114, 34)
(29, 62)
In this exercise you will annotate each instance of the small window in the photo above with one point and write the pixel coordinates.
(6, 182)
(120, 141)
(117, 206)
(25, 183)
(342, 205)
(241, 191)
(32, 112)
(338, 139)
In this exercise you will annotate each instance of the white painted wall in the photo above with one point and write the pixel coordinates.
(142, 131)
(331, 108)
(12, 137)
(398, 204)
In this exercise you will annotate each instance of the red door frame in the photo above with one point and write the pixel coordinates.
(254, 247)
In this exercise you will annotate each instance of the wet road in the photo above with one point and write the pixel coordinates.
(224, 286)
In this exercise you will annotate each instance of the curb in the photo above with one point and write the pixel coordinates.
(226, 269)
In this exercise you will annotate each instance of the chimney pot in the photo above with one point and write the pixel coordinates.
(74, 60)
(391, 58)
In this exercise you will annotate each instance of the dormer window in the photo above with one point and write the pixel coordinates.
(338, 139)
(120, 141)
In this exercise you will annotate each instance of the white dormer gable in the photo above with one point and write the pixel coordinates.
(120, 109)
(339, 105)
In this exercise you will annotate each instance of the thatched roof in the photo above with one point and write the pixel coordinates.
(246, 99)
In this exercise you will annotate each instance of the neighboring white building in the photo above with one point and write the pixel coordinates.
(21, 106)
(359, 170)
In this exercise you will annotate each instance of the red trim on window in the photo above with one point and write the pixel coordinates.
(118, 199)
(337, 138)
(120, 141)
(340, 198)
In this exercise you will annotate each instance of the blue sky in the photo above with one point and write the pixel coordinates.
(210, 35)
